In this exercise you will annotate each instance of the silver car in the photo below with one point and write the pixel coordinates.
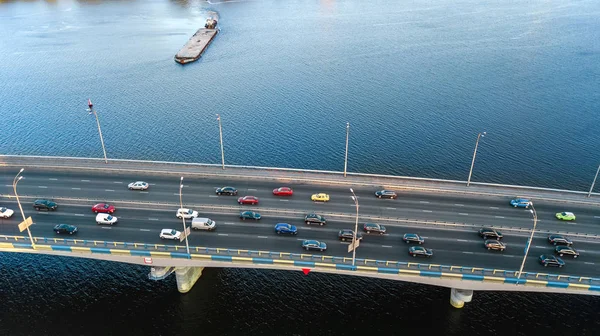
(139, 185)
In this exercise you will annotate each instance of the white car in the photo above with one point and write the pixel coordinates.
(169, 234)
(104, 218)
(6, 213)
(186, 213)
(139, 185)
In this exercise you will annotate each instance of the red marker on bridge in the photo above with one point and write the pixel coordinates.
(306, 271)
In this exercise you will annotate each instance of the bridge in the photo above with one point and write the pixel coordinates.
(448, 214)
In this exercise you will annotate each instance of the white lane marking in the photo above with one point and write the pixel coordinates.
(142, 192)
(262, 237)
(494, 208)
(388, 246)
(154, 219)
(283, 200)
(145, 230)
(427, 211)
(222, 234)
(581, 250)
(539, 246)
(118, 182)
(459, 204)
(227, 223)
(8, 185)
(499, 216)
(596, 216)
(108, 190)
(465, 252)
(304, 239)
(107, 227)
(53, 179)
(42, 187)
(75, 188)
(175, 194)
(80, 215)
(85, 180)
(462, 213)
(424, 202)
(462, 240)
(508, 255)
(589, 263)
(391, 208)
(209, 195)
(251, 189)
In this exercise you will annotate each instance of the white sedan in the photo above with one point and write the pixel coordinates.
(186, 213)
(104, 218)
(169, 234)
(139, 185)
(6, 213)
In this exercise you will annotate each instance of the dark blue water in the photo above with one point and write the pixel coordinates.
(417, 80)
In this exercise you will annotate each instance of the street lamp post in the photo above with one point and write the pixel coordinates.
(346, 158)
(479, 136)
(221, 139)
(355, 199)
(532, 210)
(15, 182)
(595, 177)
(187, 245)
(91, 110)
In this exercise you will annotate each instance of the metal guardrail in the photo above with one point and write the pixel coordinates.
(297, 259)
(302, 213)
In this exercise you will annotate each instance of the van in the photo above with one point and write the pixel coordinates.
(203, 224)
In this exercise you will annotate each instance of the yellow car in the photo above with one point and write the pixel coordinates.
(320, 197)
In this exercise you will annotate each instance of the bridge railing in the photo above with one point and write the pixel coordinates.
(292, 259)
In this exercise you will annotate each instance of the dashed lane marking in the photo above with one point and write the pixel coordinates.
(596, 216)
(145, 230)
(494, 208)
(589, 263)
(228, 223)
(466, 252)
(459, 204)
(283, 200)
(209, 195)
(462, 213)
(44, 187)
(537, 246)
(118, 182)
(222, 234)
(153, 219)
(175, 194)
(108, 190)
(107, 227)
(53, 179)
(462, 240)
(427, 211)
(8, 185)
(499, 216)
(388, 246)
(142, 192)
(391, 208)
(263, 237)
(75, 188)
(252, 189)
(424, 202)
(79, 215)
(508, 255)
(85, 180)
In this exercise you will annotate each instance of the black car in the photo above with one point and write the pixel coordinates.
(420, 251)
(313, 218)
(226, 191)
(65, 228)
(486, 233)
(386, 194)
(413, 238)
(250, 215)
(559, 240)
(550, 260)
(43, 204)
(348, 235)
(372, 227)
(566, 250)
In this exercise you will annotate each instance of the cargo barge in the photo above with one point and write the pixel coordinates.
(196, 45)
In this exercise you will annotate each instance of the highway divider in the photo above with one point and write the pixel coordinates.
(217, 209)
(296, 260)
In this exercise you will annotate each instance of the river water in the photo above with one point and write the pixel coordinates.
(417, 80)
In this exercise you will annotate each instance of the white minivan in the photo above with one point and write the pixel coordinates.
(203, 224)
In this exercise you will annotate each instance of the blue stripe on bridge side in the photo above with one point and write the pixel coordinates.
(262, 261)
(100, 250)
(557, 284)
(387, 270)
(472, 277)
(141, 253)
(304, 263)
(61, 248)
(221, 258)
(431, 274)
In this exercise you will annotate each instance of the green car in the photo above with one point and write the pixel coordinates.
(569, 216)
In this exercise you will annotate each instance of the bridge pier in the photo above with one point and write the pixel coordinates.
(187, 277)
(458, 297)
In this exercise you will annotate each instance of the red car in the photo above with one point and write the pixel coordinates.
(283, 191)
(248, 200)
(104, 208)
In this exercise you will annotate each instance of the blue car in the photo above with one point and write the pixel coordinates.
(286, 228)
(520, 203)
(314, 245)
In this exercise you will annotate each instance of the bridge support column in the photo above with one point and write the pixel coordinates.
(187, 277)
(458, 297)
